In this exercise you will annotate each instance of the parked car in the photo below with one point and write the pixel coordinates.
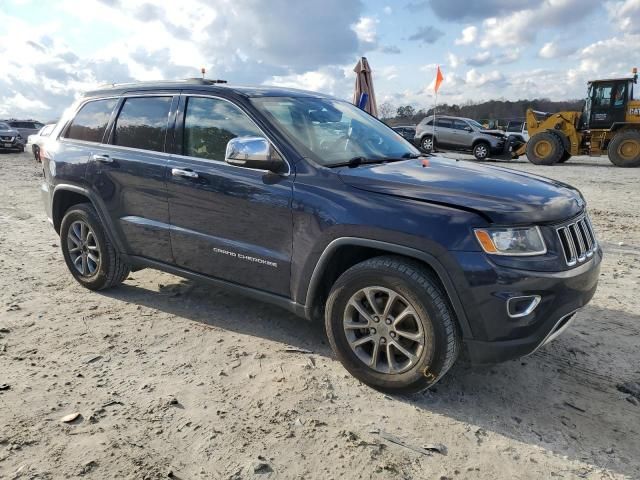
(518, 130)
(36, 140)
(10, 138)
(464, 134)
(408, 259)
(25, 127)
(407, 131)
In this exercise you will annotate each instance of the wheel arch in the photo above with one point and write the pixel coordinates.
(342, 253)
(66, 195)
(476, 141)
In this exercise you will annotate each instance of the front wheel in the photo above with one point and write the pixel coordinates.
(87, 250)
(390, 325)
(624, 149)
(481, 150)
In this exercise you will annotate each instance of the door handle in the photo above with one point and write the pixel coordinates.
(178, 172)
(101, 158)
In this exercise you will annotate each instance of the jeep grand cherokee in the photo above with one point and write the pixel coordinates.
(305, 201)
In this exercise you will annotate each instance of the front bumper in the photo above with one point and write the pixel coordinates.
(502, 149)
(497, 336)
(11, 143)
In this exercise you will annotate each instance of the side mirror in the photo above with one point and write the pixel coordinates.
(468, 129)
(253, 152)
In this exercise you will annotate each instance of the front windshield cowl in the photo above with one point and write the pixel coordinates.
(331, 132)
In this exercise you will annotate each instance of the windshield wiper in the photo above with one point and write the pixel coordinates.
(357, 161)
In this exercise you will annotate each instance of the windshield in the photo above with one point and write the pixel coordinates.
(474, 124)
(332, 131)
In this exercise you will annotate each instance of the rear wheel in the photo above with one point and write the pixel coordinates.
(390, 325)
(544, 149)
(481, 150)
(87, 250)
(624, 149)
(427, 143)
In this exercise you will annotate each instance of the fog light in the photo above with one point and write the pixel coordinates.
(518, 307)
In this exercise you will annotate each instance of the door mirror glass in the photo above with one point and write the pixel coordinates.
(253, 152)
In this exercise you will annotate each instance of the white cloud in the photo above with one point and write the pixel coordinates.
(366, 29)
(387, 10)
(452, 60)
(479, 79)
(555, 50)
(625, 15)
(469, 35)
(522, 26)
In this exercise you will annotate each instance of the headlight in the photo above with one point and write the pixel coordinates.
(511, 241)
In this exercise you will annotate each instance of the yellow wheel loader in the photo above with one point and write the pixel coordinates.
(609, 123)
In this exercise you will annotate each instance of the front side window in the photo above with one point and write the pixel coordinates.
(142, 123)
(460, 125)
(210, 123)
(91, 121)
(332, 131)
(46, 130)
(602, 96)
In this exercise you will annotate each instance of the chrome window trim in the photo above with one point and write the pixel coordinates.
(60, 138)
(216, 162)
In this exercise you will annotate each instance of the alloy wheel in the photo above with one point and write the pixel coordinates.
(83, 248)
(383, 330)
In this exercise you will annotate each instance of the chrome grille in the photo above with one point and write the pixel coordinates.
(577, 240)
(6, 138)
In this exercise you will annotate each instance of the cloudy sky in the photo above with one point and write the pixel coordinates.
(487, 49)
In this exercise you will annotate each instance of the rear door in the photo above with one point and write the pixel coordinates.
(228, 222)
(129, 172)
(445, 132)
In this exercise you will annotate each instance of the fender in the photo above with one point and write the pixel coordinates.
(97, 204)
(425, 257)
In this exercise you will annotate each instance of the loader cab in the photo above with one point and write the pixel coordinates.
(606, 103)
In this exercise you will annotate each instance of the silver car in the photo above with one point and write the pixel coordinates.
(465, 134)
(25, 127)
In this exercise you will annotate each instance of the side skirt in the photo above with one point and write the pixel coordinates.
(260, 295)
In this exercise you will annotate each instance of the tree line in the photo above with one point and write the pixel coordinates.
(490, 110)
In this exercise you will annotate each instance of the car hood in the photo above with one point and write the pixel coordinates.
(501, 195)
(495, 133)
(12, 132)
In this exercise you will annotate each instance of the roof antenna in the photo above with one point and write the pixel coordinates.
(202, 71)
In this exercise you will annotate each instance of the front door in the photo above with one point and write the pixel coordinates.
(228, 222)
(608, 103)
(444, 132)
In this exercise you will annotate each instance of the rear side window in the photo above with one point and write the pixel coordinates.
(210, 123)
(91, 121)
(142, 123)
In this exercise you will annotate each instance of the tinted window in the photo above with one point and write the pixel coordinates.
(91, 121)
(603, 95)
(142, 123)
(210, 123)
(460, 125)
(46, 130)
(444, 122)
(514, 127)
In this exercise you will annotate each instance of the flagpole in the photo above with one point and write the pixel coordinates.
(433, 136)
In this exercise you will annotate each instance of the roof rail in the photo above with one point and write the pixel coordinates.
(195, 81)
(204, 81)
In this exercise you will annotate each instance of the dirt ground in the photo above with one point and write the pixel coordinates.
(172, 379)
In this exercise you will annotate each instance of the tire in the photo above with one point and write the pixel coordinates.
(565, 156)
(481, 150)
(110, 269)
(427, 144)
(36, 153)
(624, 149)
(544, 148)
(429, 314)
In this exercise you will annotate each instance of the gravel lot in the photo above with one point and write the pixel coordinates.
(177, 380)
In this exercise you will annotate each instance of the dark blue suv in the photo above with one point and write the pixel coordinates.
(307, 202)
